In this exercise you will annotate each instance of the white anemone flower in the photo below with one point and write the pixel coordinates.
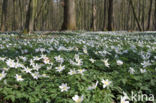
(124, 99)
(11, 63)
(72, 72)
(64, 87)
(36, 58)
(106, 62)
(143, 70)
(19, 77)
(49, 67)
(32, 62)
(23, 58)
(77, 62)
(131, 70)
(92, 60)
(85, 50)
(60, 68)
(27, 70)
(59, 59)
(35, 75)
(44, 75)
(106, 83)
(145, 64)
(2, 59)
(77, 99)
(5, 69)
(46, 60)
(119, 62)
(36, 67)
(93, 86)
(81, 71)
(2, 75)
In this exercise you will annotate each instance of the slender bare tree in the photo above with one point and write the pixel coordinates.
(143, 15)
(135, 16)
(105, 7)
(149, 15)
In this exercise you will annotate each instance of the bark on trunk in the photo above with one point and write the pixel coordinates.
(21, 15)
(110, 15)
(4, 15)
(143, 14)
(149, 15)
(105, 6)
(31, 13)
(69, 15)
(14, 15)
(93, 24)
(155, 16)
(135, 16)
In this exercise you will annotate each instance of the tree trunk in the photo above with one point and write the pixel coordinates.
(155, 17)
(143, 14)
(14, 15)
(44, 4)
(149, 15)
(84, 11)
(105, 7)
(69, 15)
(110, 15)
(93, 24)
(31, 13)
(135, 16)
(28, 17)
(21, 14)
(4, 15)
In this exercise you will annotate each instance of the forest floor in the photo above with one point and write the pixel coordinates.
(67, 67)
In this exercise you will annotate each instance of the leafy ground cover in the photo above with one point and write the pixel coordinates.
(76, 67)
